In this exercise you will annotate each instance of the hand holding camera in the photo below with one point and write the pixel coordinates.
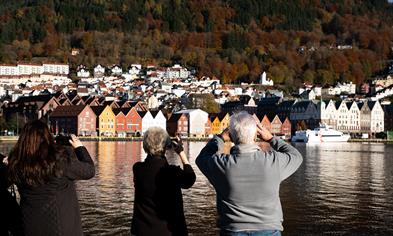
(177, 145)
(70, 140)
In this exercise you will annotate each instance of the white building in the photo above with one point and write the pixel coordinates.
(116, 70)
(266, 81)
(152, 102)
(83, 73)
(342, 116)
(23, 69)
(353, 117)
(159, 119)
(147, 121)
(328, 113)
(197, 120)
(99, 71)
(177, 71)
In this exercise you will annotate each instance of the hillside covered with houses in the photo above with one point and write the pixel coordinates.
(112, 102)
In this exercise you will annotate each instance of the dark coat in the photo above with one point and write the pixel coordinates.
(10, 215)
(53, 208)
(158, 205)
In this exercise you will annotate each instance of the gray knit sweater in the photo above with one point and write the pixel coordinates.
(247, 182)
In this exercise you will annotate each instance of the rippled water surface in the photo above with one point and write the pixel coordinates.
(340, 189)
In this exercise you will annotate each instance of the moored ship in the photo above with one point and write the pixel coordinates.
(323, 133)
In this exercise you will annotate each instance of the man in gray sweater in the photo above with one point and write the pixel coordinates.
(247, 181)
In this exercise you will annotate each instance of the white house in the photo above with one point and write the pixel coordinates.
(159, 119)
(177, 71)
(56, 68)
(266, 81)
(342, 116)
(99, 71)
(116, 70)
(147, 121)
(328, 113)
(197, 120)
(135, 69)
(83, 73)
(376, 117)
(152, 102)
(353, 117)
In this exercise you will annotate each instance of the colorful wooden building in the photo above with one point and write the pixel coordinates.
(78, 120)
(177, 124)
(106, 120)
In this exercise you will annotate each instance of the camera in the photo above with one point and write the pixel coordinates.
(62, 139)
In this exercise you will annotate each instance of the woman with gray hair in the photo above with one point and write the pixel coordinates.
(158, 204)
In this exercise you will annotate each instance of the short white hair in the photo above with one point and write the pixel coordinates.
(242, 128)
(155, 141)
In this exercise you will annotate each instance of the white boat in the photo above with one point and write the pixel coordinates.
(323, 133)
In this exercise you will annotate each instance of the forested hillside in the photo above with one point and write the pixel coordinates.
(235, 40)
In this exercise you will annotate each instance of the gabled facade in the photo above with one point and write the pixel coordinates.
(353, 117)
(328, 113)
(178, 125)
(265, 122)
(147, 121)
(377, 117)
(342, 116)
(215, 125)
(224, 121)
(106, 120)
(78, 120)
(275, 127)
(286, 128)
(365, 118)
(197, 119)
(159, 119)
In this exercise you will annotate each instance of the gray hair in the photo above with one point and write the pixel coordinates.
(242, 128)
(155, 141)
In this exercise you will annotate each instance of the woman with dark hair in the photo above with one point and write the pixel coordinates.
(44, 173)
(158, 204)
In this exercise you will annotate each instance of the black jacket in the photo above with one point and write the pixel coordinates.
(158, 205)
(10, 215)
(53, 208)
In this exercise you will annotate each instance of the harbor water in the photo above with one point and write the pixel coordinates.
(340, 189)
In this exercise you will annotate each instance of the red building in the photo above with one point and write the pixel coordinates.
(265, 122)
(121, 122)
(286, 128)
(79, 120)
(177, 125)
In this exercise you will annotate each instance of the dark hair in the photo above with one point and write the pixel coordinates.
(33, 160)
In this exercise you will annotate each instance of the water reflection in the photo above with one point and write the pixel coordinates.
(340, 189)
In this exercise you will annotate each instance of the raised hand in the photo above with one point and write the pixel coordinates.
(75, 142)
(264, 133)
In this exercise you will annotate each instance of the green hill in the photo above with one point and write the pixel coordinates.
(235, 40)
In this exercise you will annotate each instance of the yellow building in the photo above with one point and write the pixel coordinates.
(224, 121)
(106, 120)
(216, 125)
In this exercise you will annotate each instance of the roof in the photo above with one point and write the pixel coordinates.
(154, 113)
(67, 111)
(338, 104)
(123, 110)
(142, 113)
(302, 104)
(175, 117)
(97, 109)
(286, 105)
(371, 104)
(269, 101)
(39, 98)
